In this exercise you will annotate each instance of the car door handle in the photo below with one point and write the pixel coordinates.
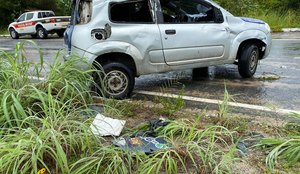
(170, 32)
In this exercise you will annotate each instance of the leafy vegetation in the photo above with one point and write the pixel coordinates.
(118, 108)
(42, 125)
(170, 105)
(10, 10)
(3, 31)
(284, 148)
(277, 13)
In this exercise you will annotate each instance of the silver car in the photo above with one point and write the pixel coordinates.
(129, 38)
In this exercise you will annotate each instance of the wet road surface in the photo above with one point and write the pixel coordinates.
(283, 62)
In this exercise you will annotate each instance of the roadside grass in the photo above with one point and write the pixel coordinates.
(42, 126)
(284, 150)
(3, 31)
(224, 118)
(118, 108)
(169, 105)
(278, 19)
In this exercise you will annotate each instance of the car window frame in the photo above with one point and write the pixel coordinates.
(27, 16)
(215, 9)
(152, 12)
(18, 20)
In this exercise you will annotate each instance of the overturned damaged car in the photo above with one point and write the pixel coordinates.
(129, 38)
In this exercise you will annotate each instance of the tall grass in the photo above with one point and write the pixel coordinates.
(170, 106)
(205, 149)
(278, 19)
(42, 126)
(284, 150)
(278, 14)
(40, 123)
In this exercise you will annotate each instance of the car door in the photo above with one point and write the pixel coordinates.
(193, 31)
(20, 25)
(29, 24)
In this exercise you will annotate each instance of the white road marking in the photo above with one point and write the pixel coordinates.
(5, 49)
(211, 101)
(204, 100)
(296, 57)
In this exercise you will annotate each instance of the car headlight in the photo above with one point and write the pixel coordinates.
(268, 27)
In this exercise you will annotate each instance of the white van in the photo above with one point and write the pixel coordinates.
(130, 38)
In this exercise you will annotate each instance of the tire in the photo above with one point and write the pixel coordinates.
(118, 81)
(60, 33)
(200, 73)
(13, 34)
(248, 61)
(41, 33)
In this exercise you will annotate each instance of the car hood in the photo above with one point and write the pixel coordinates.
(12, 23)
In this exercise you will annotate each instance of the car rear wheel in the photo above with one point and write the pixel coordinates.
(248, 61)
(14, 34)
(41, 33)
(117, 82)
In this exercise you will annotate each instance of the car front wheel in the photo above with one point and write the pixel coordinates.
(14, 34)
(41, 33)
(118, 81)
(248, 61)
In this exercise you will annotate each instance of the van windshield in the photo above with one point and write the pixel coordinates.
(81, 11)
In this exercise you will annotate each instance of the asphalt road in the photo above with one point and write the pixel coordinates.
(283, 62)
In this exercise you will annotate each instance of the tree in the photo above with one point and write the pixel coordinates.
(12, 9)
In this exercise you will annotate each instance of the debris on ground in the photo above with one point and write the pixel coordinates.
(141, 144)
(153, 125)
(248, 141)
(268, 76)
(105, 126)
(144, 140)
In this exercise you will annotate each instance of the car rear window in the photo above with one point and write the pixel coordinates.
(46, 14)
(131, 12)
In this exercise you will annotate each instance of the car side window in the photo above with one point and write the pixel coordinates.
(29, 16)
(187, 11)
(22, 18)
(131, 12)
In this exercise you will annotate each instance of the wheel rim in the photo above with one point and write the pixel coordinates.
(41, 33)
(253, 60)
(13, 34)
(116, 83)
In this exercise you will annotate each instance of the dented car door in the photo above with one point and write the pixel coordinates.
(193, 31)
